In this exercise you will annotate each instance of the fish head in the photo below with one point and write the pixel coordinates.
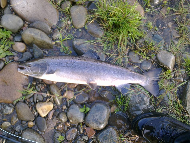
(34, 69)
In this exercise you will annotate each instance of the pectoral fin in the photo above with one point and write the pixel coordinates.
(123, 88)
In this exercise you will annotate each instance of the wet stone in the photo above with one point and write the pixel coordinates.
(108, 135)
(32, 135)
(11, 81)
(36, 10)
(25, 57)
(44, 108)
(81, 46)
(166, 59)
(41, 124)
(119, 120)
(19, 47)
(78, 15)
(81, 98)
(7, 109)
(134, 57)
(71, 134)
(146, 65)
(2, 63)
(98, 116)
(95, 30)
(23, 112)
(11, 22)
(41, 26)
(74, 114)
(34, 36)
(62, 117)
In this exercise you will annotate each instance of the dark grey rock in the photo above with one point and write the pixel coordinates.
(138, 103)
(158, 40)
(7, 10)
(98, 116)
(133, 57)
(81, 46)
(71, 134)
(78, 15)
(41, 124)
(2, 63)
(25, 57)
(11, 22)
(81, 98)
(18, 38)
(41, 26)
(38, 53)
(34, 36)
(23, 112)
(146, 65)
(35, 10)
(74, 114)
(108, 135)
(62, 117)
(95, 30)
(7, 109)
(119, 120)
(32, 135)
(166, 59)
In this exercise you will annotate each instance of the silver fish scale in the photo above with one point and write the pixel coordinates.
(17, 136)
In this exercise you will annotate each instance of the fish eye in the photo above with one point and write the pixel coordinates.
(21, 67)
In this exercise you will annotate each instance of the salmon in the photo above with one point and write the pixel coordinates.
(94, 73)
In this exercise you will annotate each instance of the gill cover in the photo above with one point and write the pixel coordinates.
(36, 69)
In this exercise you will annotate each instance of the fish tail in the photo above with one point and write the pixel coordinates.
(152, 81)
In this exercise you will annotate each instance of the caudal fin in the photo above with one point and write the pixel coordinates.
(152, 83)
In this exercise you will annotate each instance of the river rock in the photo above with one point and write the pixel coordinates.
(69, 94)
(146, 65)
(38, 53)
(133, 57)
(41, 26)
(7, 109)
(166, 59)
(81, 98)
(2, 63)
(7, 10)
(11, 22)
(109, 135)
(62, 117)
(71, 134)
(25, 57)
(139, 8)
(81, 46)
(74, 114)
(23, 112)
(98, 116)
(65, 5)
(41, 124)
(44, 108)
(34, 36)
(36, 10)
(78, 15)
(11, 81)
(32, 135)
(95, 30)
(19, 47)
(57, 94)
(3, 3)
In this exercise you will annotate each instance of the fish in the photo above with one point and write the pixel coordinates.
(80, 70)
